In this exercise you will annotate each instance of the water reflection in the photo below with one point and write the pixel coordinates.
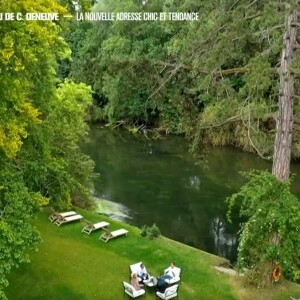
(195, 182)
(225, 243)
(113, 210)
(159, 182)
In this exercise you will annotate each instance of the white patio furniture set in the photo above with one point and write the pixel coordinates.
(59, 218)
(170, 293)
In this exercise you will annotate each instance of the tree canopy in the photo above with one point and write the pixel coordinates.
(214, 79)
(41, 124)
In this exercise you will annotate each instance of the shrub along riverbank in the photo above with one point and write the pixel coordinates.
(73, 265)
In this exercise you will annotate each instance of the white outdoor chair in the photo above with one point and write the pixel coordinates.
(90, 227)
(176, 275)
(131, 291)
(170, 293)
(60, 221)
(134, 269)
(108, 235)
(56, 215)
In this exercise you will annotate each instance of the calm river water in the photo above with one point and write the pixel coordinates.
(158, 181)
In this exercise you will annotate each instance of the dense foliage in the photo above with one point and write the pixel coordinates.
(150, 231)
(214, 79)
(41, 124)
(271, 234)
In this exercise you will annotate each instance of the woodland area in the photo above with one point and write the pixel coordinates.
(215, 80)
(219, 81)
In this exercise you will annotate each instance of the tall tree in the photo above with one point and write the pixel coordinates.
(271, 234)
(284, 123)
(34, 115)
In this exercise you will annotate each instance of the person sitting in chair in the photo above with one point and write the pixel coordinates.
(142, 273)
(135, 282)
(161, 284)
(170, 272)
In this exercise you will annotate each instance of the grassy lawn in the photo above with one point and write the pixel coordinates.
(73, 265)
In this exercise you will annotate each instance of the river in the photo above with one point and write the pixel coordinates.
(158, 181)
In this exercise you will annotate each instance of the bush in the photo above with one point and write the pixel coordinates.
(270, 236)
(144, 230)
(151, 232)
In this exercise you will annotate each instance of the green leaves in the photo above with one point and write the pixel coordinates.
(41, 124)
(17, 207)
(271, 232)
(23, 56)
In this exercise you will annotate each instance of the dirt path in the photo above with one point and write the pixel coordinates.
(226, 270)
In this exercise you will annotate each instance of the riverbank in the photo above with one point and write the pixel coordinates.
(72, 265)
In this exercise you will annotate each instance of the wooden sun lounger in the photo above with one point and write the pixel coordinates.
(92, 227)
(57, 215)
(107, 235)
(58, 222)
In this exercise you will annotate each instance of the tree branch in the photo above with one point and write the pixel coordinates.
(3, 211)
(253, 16)
(161, 86)
(221, 124)
(252, 3)
(249, 137)
(239, 70)
(233, 5)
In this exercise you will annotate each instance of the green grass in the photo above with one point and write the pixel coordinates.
(73, 265)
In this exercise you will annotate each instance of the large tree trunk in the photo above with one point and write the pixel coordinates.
(284, 123)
